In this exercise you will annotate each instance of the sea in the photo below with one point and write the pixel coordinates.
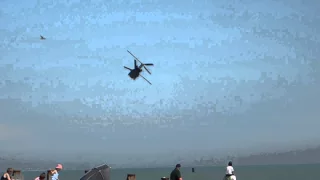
(265, 172)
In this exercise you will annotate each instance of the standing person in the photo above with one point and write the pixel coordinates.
(55, 173)
(41, 177)
(176, 174)
(230, 172)
(7, 175)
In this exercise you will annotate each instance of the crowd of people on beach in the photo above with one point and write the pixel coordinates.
(54, 174)
(175, 174)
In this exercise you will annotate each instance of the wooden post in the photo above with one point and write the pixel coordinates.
(131, 177)
(193, 170)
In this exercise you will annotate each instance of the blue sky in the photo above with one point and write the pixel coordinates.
(229, 77)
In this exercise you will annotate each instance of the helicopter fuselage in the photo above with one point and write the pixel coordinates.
(135, 73)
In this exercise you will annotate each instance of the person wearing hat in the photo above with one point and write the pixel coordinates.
(176, 174)
(55, 173)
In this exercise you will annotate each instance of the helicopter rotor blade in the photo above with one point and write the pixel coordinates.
(127, 68)
(147, 69)
(146, 79)
(135, 57)
(144, 65)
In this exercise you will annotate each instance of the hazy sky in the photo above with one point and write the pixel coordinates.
(229, 76)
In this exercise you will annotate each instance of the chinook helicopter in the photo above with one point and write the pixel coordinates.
(135, 73)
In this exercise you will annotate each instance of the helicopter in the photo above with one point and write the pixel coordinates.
(134, 73)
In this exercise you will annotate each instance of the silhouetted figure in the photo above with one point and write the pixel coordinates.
(176, 174)
(42, 38)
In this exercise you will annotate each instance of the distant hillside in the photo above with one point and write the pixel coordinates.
(308, 156)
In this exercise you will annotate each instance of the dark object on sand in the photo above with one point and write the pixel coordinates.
(165, 178)
(98, 173)
(193, 170)
(85, 171)
(131, 177)
(42, 38)
(134, 73)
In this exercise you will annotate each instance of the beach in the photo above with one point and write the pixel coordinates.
(269, 172)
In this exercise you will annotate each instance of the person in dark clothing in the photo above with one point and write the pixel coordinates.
(7, 175)
(41, 177)
(176, 174)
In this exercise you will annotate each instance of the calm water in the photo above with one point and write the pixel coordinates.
(280, 172)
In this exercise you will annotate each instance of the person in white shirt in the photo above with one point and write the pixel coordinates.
(230, 172)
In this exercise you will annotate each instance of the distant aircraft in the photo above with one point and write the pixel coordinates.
(134, 73)
(42, 38)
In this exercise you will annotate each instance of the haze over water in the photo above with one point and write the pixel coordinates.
(294, 172)
(231, 77)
